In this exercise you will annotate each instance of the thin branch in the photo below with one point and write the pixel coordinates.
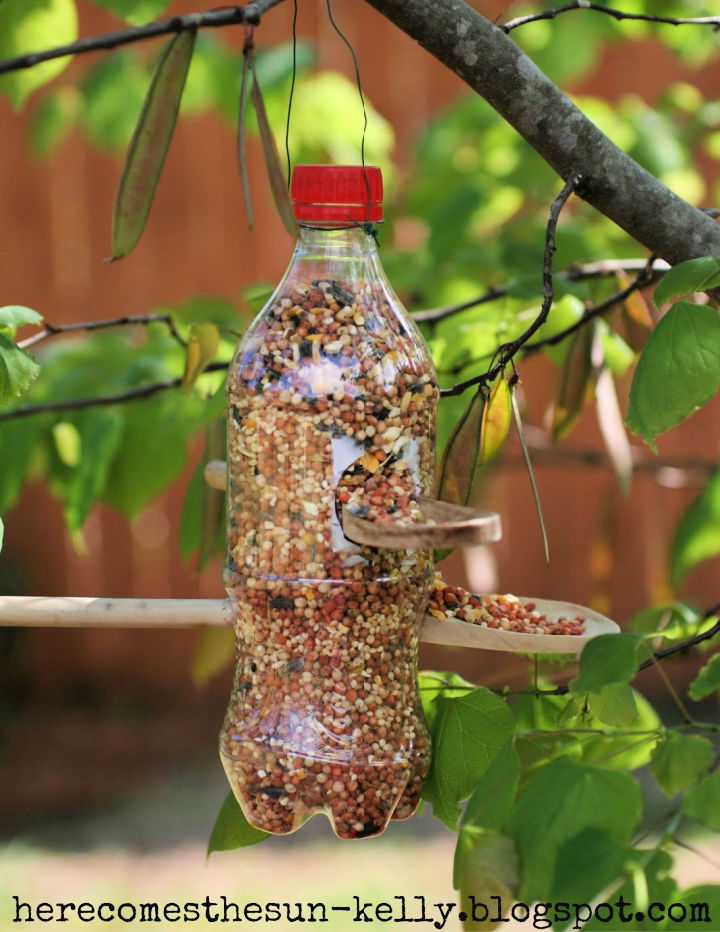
(77, 404)
(685, 645)
(713, 21)
(641, 280)
(228, 16)
(52, 330)
(547, 452)
(508, 351)
(576, 273)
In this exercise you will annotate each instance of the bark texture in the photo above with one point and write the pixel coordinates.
(491, 64)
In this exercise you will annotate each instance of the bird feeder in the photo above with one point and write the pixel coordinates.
(332, 401)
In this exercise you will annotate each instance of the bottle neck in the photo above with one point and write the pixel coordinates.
(341, 242)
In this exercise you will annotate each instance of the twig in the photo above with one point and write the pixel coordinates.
(687, 718)
(575, 273)
(685, 645)
(713, 21)
(52, 330)
(508, 351)
(643, 278)
(229, 16)
(77, 404)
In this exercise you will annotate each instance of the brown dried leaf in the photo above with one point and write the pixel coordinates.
(241, 147)
(462, 452)
(149, 145)
(575, 383)
(610, 417)
(276, 175)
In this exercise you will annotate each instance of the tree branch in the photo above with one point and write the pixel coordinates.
(52, 330)
(642, 279)
(77, 404)
(507, 351)
(489, 62)
(576, 273)
(248, 15)
(713, 21)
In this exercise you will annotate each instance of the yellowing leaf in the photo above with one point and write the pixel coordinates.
(214, 651)
(496, 419)
(460, 458)
(67, 443)
(202, 345)
(30, 26)
(149, 145)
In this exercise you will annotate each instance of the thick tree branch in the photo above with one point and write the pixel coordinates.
(713, 21)
(489, 62)
(228, 16)
(77, 404)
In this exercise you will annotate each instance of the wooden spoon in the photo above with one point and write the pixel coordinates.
(447, 526)
(453, 525)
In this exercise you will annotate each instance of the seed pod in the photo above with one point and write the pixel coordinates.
(149, 145)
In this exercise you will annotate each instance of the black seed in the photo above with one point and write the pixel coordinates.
(272, 790)
(282, 601)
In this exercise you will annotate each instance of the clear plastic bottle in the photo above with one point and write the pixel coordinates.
(332, 400)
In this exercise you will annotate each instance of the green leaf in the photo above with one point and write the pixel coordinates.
(703, 802)
(493, 796)
(202, 345)
(653, 875)
(467, 733)
(559, 802)
(14, 315)
(153, 450)
(702, 904)
(586, 864)
(276, 176)
(707, 680)
(678, 371)
(462, 452)
(136, 12)
(149, 145)
(614, 705)
(575, 382)
(100, 432)
(29, 26)
(53, 120)
(18, 370)
(232, 829)
(214, 651)
(486, 865)
(688, 277)
(697, 537)
(678, 761)
(18, 443)
(624, 752)
(608, 658)
(433, 684)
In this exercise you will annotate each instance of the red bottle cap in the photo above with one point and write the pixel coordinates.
(338, 193)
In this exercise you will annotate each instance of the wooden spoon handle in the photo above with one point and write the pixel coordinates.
(447, 526)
